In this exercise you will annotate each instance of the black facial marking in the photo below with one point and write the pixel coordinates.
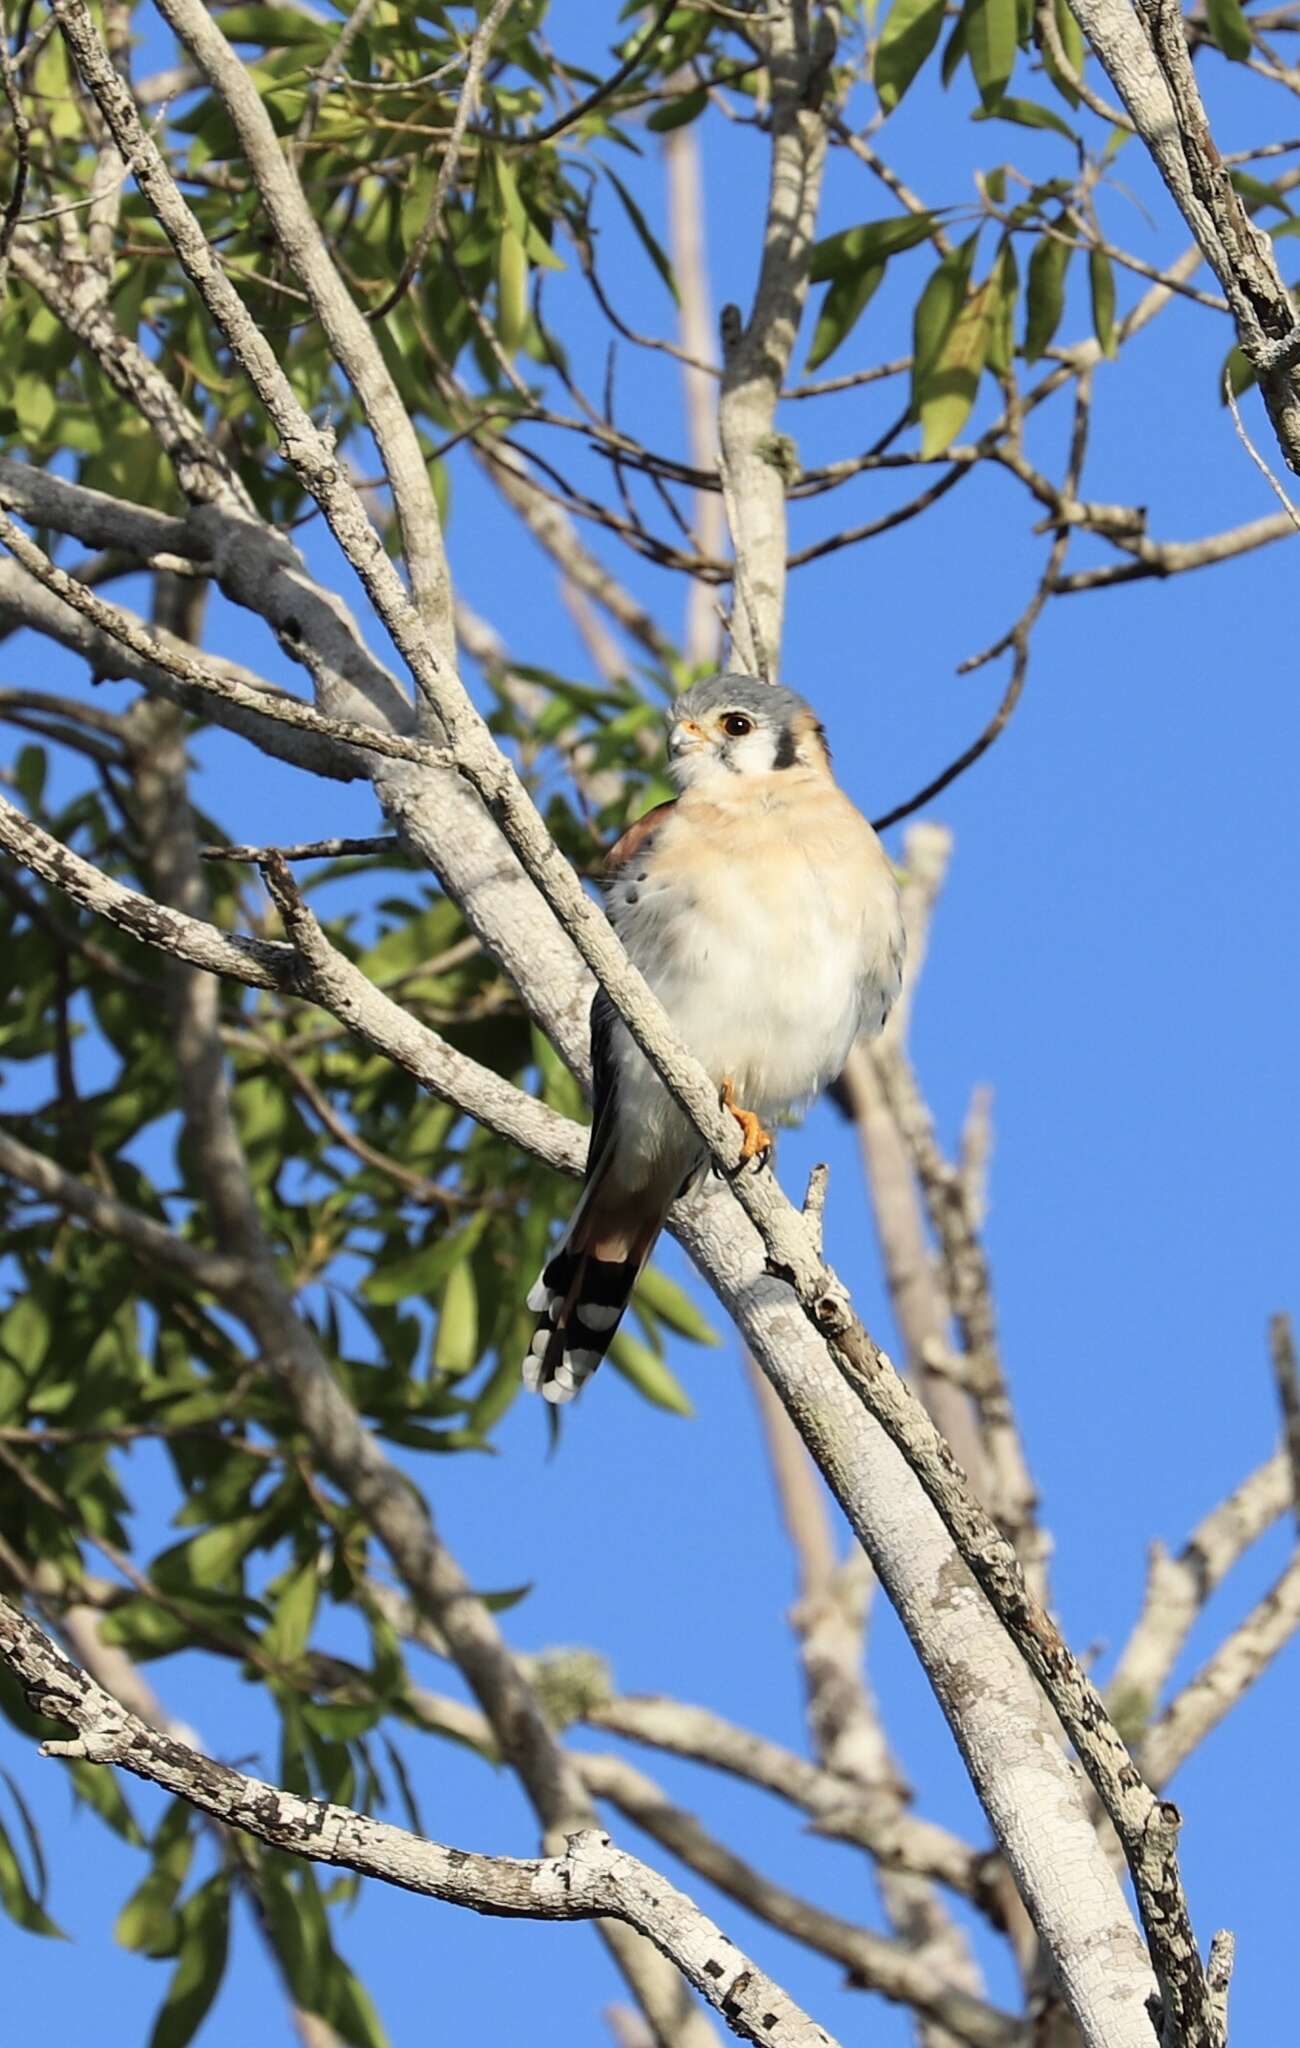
(786, 756)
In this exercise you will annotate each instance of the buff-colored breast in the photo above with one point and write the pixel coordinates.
(766, 918)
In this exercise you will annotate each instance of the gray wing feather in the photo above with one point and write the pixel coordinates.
(604, 1079)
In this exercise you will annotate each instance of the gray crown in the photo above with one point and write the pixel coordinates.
(771, 704)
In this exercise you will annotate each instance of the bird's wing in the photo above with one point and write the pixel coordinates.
(636, 839)
(604, 1080)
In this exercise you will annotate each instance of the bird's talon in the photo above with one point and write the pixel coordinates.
(758, 1141)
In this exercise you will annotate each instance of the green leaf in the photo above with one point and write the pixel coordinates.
(25, 1334)
(455, 1347)
(648, 1374)
(148, 1922)
(511, 273)
(953, 52)
(671, 1303)
(99, 1789)
(910, 33)
(1229, 28)
(855, 249)
(423, 1270)
(1258, 193)
(1004, 287)
(498, 1392)
(29, 774)
(991, 31)
(1238, 371)
(144, 1629)
(1101, 280)
(352, 2012)
(1075, 49)
(295, 1610)
(1026, 114)
(1045, 296)
(948, 389)
(845, 301)
(678, 112)
(205, 1938)
(212, 1558)
(420, 935)
(518, 216)
(17, 1900)
(643, 232)
(34, 401)
(343, 1723)
(273, 27)
(937, 310)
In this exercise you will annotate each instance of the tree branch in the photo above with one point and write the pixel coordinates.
(1224, 1679)
(591, 1879)
(1144, 53)
(1178, 1587)
(755, 463)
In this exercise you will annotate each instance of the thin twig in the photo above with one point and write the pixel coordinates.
(1281, 1340)
(22, 147)
(311, 849)
(592, 1877)
(1283, 497)
(480, 50)
(600, 93)
(329, 72)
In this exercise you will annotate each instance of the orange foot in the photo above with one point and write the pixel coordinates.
(757, 1140)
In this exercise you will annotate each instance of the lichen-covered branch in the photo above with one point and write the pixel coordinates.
(757, 463)
(1143, 50)
(590, 1879)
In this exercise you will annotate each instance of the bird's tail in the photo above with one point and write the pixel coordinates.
(581, 1294)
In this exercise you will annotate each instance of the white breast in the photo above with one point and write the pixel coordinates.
(768, 924)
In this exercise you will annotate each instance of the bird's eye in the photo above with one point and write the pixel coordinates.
(736, 725)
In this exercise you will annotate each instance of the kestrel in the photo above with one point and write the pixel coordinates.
(762, 910)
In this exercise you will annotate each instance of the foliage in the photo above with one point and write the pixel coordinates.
(408, 1234)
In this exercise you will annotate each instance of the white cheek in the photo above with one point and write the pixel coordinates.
(753, 755)
(702, 765)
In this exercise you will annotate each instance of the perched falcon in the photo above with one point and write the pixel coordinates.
(761, 909)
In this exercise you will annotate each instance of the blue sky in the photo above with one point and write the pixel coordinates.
(1115, 953)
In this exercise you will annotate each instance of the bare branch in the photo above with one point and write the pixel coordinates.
(203, 677)
(354, 344)
(921, 1308)
(755, 462)
(554, 531)
(324, 976)
(874, 1963)
(1144, 53)
(1228, 1675)
(969, 1289)
(1281, 1340)
(1173, 557)
(309, 849)
(838, 1807)
(691, 270)
(591, 1879)
(113, 1219)
(1178, 1587)
(95, 518)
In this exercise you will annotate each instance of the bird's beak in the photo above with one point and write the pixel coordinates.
(684, 739)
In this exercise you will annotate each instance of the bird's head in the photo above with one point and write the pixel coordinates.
(735, 725)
